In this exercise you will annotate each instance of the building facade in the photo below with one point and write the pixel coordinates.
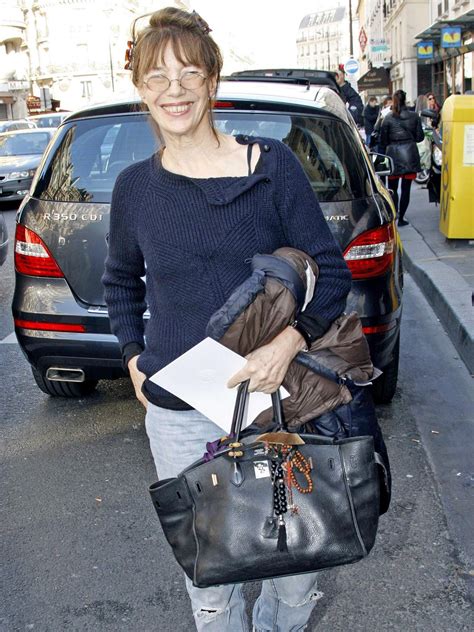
(76, 50)
(14, 84)
(322, 41)
(446, 48)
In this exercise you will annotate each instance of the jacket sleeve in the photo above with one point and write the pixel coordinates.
(354, 102)
(304, 227)
(419, 134)
(124, 266)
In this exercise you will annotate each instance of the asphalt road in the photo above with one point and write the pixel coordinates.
(82, 549)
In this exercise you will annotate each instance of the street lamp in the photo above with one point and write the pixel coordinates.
(108, 12)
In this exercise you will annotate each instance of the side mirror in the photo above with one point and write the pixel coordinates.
(383, 164)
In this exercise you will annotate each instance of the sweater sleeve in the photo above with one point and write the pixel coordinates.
(124, 266)
(305, 228)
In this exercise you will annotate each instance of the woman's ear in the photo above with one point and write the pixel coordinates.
(212, 85)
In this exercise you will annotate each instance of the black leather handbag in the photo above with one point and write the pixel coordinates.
(271, 505)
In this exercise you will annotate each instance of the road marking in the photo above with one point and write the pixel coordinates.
(9, 340)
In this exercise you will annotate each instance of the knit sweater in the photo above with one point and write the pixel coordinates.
(194, 237)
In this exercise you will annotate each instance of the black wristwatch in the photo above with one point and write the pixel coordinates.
(301, 330)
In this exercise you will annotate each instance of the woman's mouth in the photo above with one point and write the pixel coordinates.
(176, 109)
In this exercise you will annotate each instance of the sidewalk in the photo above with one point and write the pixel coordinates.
(444, 271)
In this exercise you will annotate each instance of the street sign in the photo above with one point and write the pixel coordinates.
(351, 66)
(362, 39)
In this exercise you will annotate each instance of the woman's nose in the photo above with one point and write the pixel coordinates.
(175, 87)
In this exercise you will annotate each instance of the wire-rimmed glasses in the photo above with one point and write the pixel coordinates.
(189, 80)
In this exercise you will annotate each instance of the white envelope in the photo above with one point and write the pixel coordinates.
(199, 378)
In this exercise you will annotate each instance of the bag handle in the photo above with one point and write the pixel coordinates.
(241, 410)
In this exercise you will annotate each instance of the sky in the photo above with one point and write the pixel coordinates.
(264, 30)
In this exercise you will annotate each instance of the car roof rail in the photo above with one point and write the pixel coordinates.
(300, 76)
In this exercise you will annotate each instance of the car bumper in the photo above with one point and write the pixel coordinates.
(11, 190)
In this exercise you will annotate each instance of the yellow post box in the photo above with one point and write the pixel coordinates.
(457, 175)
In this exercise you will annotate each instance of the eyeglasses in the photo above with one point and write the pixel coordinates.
(190, 80)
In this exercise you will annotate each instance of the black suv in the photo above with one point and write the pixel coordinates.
(61, 237)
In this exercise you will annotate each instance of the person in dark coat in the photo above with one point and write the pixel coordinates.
(350, 96)
(400, 132)
(370, 115)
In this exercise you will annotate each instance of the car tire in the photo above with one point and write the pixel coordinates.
(384, 387)
(63, 389)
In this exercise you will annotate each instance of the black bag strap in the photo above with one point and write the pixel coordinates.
(307, 360)
(241, 409)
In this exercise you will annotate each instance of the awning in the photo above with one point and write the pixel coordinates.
(466, 22)
(374, 79)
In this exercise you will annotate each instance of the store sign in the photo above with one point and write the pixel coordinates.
(33, 103)
(18, 85)
(450, 36)
(378, 45)
(362, 39)
(374, 79)
(425, 50)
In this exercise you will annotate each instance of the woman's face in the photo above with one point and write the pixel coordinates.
(178, 110)
(431, 100)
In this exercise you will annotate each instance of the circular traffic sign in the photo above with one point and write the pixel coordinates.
(351, 66)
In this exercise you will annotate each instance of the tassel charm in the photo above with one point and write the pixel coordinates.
(282, 544)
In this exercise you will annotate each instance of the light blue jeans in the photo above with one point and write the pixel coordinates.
(177, 439)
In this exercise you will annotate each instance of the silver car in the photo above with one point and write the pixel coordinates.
(20, 155)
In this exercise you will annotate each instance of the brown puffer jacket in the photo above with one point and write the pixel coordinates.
(249, 320)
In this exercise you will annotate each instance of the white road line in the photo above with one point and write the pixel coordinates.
(9, 340)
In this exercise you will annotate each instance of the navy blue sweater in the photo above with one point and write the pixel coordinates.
(195, 237)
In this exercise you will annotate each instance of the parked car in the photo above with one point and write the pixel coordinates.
(60, 315)
(15, 124)
(53, 119)
(3, 239)
(20, 154)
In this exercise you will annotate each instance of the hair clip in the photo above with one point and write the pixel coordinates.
(202, 24)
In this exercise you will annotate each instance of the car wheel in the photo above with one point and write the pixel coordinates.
(63, 389)
(385, 386)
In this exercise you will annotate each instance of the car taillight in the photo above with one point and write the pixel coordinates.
(371, 253)
(31, 255)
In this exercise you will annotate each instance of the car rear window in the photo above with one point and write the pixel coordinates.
(92, 152)
(326, 148)
(90, 155)
(23, 144)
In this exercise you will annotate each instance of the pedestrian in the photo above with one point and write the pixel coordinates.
(191, 216)
(400, 132)
(375, 136)
(432, 102)
(370, 115)
(350, 96)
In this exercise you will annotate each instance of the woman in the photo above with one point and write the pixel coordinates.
(400, 132)
(193, 214)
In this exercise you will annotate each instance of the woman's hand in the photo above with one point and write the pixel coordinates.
(137, 378)
(267, 366)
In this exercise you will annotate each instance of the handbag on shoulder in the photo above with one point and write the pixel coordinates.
(271, 505)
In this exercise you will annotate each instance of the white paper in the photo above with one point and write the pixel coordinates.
(199, 377)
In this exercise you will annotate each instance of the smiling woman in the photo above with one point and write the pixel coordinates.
(192, 216)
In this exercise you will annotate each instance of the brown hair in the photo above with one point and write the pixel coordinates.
(399, 99)
(188, 36)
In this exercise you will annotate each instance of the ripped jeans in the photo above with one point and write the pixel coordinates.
(177, 439)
